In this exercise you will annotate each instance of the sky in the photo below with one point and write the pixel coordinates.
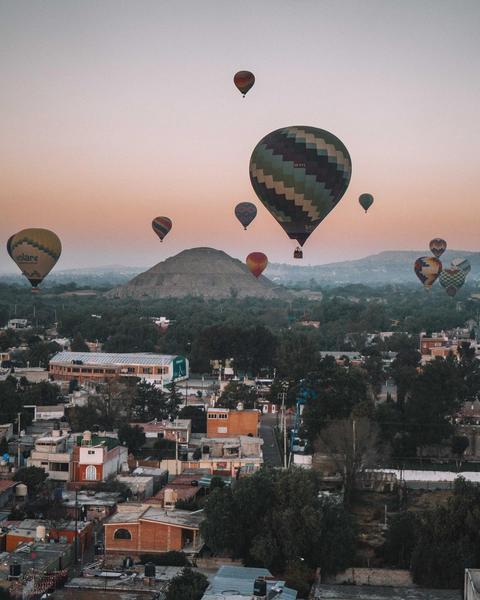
(113, 112)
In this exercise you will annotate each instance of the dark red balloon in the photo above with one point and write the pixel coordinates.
(244, 81)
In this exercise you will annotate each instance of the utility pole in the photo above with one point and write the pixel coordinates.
(18, 439)
(76, 526)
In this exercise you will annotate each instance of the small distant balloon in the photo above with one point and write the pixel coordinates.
(245, 213)
(35, 252)
(256, 263)
(438, 247)
(463, 264)
(366, 201)
(244, 81)
(452, 280)
(427, 269)
(161, 226)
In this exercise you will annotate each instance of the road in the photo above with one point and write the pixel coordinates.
(271, 454)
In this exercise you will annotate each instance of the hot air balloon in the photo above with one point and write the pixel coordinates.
(244, 81)
(463, 264)
(161, 226)
(9, 243)
(299, 174)
(256, 263)
(366, 201)
(427, 269)
(438, 247)
(452, 280)
(245, 213)
(35, 251)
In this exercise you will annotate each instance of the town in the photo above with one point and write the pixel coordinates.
(280, 470)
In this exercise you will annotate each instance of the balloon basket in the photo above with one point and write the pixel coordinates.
(298, 253)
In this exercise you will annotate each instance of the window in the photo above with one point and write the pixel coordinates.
(91, 473)
(91, 451)
(212, 415)
(122, 534)
(222, 416)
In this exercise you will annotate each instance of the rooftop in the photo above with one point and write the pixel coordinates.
(97, 440)
(368, 592)
(131, 513)
(234, 582)
(6, 484)
(115, 359)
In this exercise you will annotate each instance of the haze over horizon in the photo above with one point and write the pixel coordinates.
(113, 113)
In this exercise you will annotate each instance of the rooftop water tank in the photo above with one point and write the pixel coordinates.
(40, 532)
(21, 490)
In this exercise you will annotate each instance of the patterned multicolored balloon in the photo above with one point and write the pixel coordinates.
(35, 251)
(463, 264)
(427, 269)
(244, 81)
(452, 280)
(256, 263)
(300, 174)
(161, 226)
(438, 247)
(366, 201)
(245, 213)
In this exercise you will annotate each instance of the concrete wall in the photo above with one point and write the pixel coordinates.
(389, 577)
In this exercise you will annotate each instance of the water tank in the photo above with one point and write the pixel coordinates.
(21, 490)
(170, 496)
(240, 406)
(87, 436)
(149, 570)
(40, 532)
(260, 587)
(15, 570)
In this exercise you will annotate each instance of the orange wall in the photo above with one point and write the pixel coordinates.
(238, 422)
(146, 537)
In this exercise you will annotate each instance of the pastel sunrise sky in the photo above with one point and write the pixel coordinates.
(115, 111)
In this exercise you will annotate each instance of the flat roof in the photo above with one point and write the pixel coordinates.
(135, 513)
(113, 358)
(233, 581)
(369, 592)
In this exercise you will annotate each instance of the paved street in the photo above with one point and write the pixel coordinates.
(271, 455)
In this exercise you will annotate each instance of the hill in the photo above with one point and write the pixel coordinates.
(202, 272)
(382, 268)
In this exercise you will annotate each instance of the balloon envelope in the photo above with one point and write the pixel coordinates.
(438, 246)
(452, 280)
(366, 201)
(300, 174)
(161, 226)
(35, 251)
(463, 264)
(427, 269)
(245, 213)
(244, 81)
(256, 262)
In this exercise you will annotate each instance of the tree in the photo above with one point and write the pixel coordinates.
(197, 416)
(32, 477)
(235, 393)
(400, 540)
(458, 446)
(132, 437)
(352, 445)
(174, 399)
(299, 577)
(189, 585)
(78, 344)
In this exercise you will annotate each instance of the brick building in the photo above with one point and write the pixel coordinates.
(139, 528)
(95, 458)
(223, 422)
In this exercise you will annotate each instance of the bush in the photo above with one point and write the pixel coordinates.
(166, 559)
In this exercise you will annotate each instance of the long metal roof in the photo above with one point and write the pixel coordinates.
(113, 358)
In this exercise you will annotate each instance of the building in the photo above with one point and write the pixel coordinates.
(240, 583)
(51, 454)
(7, 492)
(35, 530)
(17, 324)
(90, 505)
(48, 413)
(139, 529)
(159, 369)
(224, 422)
(96, 458)
(184, 487)
(471, 588)
(141, 486)
(177, 430)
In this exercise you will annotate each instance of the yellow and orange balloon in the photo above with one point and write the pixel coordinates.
(35, 252)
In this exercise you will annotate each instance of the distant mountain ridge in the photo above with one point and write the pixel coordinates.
(390, 266)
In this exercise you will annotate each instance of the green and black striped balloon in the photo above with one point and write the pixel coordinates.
(300, 174)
